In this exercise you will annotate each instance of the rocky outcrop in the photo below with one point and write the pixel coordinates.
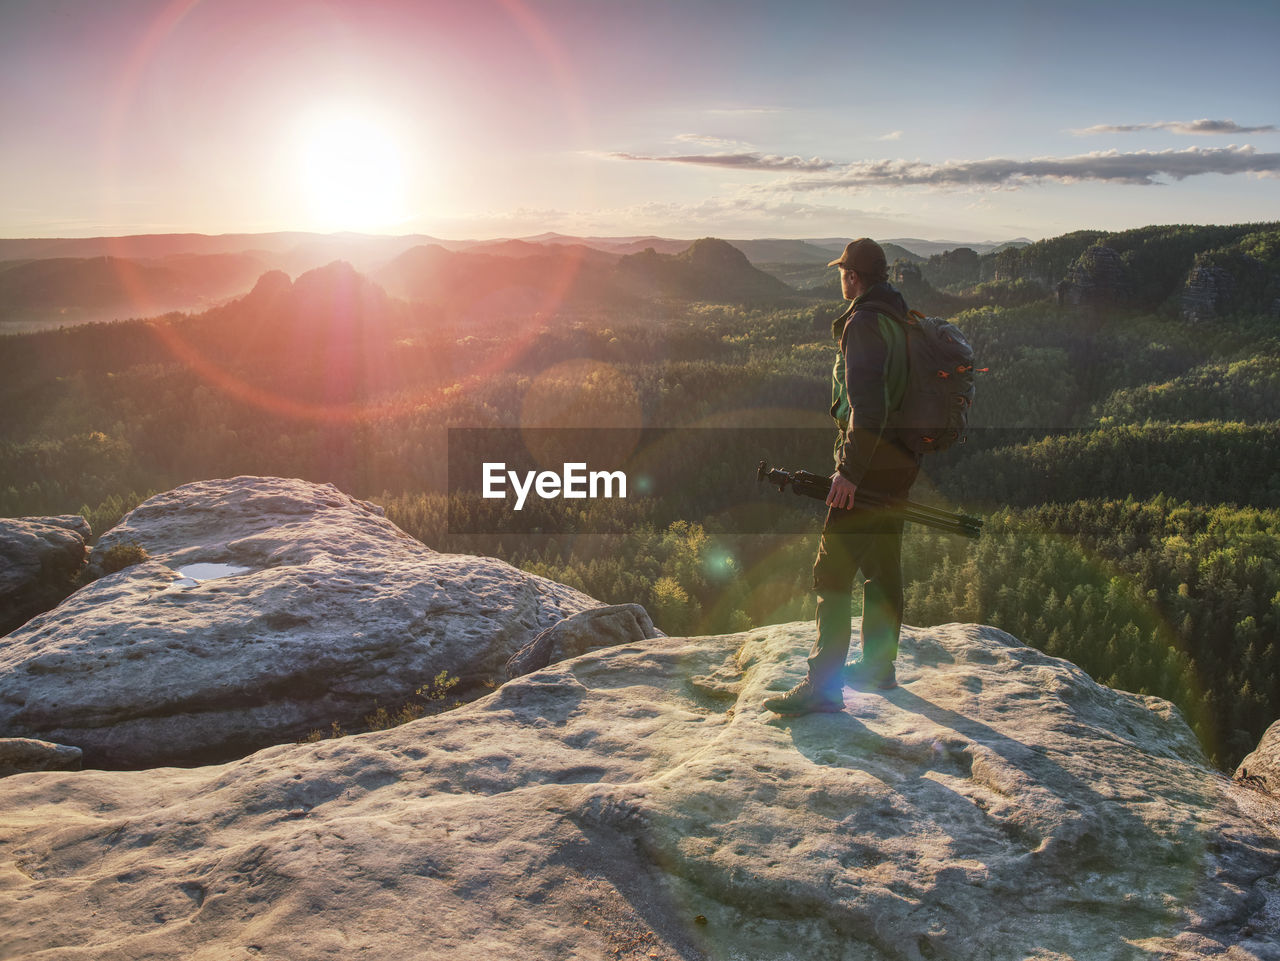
(21, 755)
(919, 293)
(601, 627)
(268, 608)
(40, 559)
(1262, 767)
(905, 274)
(638, 802)
(1224, 282)
(709, 269)
(1098, 278)
(255, 522)
(269, 293)
(1207, 293)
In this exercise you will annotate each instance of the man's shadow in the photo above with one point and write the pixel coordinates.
(1087, 829)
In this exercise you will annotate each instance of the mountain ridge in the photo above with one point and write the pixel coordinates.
(1202, 272)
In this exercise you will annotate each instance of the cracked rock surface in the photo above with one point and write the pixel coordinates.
(638, 802)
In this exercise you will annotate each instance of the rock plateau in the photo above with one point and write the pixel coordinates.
(638, 802)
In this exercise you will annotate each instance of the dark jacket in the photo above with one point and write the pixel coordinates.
(869, 380)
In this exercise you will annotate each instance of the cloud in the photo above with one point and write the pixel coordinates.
(1187, 127)
(1140, 168)
(707, 140)
(894, 135)
(744, 160)
(1111, 166)
(719, 213)
(717, 210)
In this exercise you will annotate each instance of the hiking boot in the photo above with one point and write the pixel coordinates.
(864, 675)
(804, 698)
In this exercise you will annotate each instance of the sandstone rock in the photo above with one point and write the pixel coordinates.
(20, 755)
(254, 521)
(328, 610)
(1207, 293)
(40, 558)
(638, 802)
(601, 627)
(1262, 766)
(905, 273)
(1099, 278)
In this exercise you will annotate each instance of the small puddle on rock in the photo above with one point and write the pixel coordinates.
(194, 574)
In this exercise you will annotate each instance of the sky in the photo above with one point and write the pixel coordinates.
(470, 119)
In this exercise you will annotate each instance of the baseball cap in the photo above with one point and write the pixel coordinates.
(863, 255)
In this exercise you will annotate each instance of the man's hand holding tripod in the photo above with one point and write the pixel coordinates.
(842, 492)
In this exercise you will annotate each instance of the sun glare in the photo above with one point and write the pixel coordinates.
(352, 170)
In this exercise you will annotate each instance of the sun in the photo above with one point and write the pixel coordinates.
(352, 169)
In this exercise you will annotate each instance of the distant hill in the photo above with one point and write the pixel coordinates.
(1207, 270)
(783, 252)
(298, 251)
(927, 248)
(508, 248)
(148, 246)
(818, 278)
(418, 273)
(709, 269)
(332, 298)
(772, 251)
(835, 244)
(615, 245)
(292, 251)
(154, 246)
(1204, 271)
(512, 275)
(914, 249)
(522, 274)
(79, 290)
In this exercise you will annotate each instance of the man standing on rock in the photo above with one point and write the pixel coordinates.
(868, 381)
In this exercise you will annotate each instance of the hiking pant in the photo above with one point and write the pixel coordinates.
(862, 540)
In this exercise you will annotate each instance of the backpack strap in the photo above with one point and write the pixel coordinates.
(881, 307)
(837, 325)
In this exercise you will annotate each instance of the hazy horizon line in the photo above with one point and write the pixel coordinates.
(619, 237)
(528, 237)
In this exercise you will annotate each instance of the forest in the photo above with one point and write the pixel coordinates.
(1123, 449)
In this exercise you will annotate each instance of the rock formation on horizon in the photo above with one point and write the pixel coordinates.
(1098, 278)
(1206, 294)
(638, 802)
(709, 269)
